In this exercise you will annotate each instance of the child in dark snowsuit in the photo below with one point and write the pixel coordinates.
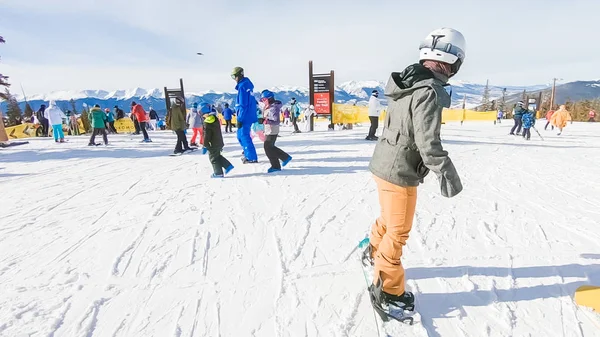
(528, 123)
(213, 142)
(272, 119)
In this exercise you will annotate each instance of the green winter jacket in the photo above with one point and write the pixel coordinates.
(178, 118)
(410, 145)
(97, 118)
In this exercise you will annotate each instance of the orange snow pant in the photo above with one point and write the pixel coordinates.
(390, 232)
(198, 132)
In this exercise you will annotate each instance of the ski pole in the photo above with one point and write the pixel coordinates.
(536, 130)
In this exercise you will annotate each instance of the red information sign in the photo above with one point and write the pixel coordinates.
(322, 103)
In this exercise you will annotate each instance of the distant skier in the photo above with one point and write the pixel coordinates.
(98, 120)
(119, 113)
(374, 112)
(286, 117)
(228, 116)
(295, 114)
(140, 115)
(548, 119)
(42, 120)
(518, 117)
(178, 119)
(592, 116)
(258, 128)
(110, 121)
(213, 142)
(499, 116)
(153, 119)
(246, 114)
(272, 116)
(528, 122)
(308, 113)
(409, 147)
(194, 120)
(560, 118)
(54, 116)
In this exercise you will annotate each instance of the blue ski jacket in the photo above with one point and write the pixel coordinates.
(246, 113)
(227, 114)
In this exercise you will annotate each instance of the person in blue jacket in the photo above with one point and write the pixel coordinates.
(528, 122)
(246, 114)
(228, 115)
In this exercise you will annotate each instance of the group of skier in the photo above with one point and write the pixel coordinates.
(525, 118)
(263, 118)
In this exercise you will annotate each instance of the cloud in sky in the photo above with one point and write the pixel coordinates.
(111, 44)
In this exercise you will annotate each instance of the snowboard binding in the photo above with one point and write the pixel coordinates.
(399, 308)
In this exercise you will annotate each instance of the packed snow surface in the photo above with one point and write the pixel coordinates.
(125, 241)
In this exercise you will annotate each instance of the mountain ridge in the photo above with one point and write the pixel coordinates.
(350, 92)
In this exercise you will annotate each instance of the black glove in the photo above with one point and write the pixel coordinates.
(238, 125)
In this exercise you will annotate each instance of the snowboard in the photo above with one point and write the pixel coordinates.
(182, 153)
(588, 296)
(10, 144)
(391, 326)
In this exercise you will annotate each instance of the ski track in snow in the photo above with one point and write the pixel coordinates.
(275, 255)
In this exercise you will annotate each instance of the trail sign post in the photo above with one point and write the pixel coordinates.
(321, 93)
(171, 94)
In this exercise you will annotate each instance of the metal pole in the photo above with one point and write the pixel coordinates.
(311, 93)
(331, 97)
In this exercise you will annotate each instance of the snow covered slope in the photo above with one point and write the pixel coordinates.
(125, 241)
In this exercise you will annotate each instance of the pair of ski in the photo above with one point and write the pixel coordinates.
(388, 316)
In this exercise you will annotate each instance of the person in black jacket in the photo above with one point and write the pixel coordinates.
(213, 142)
(153, 119)
(42, 120)
(119, 113)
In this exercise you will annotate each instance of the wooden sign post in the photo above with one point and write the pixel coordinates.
(321, 94)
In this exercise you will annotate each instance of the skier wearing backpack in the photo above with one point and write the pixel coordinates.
(409, 147)
(518, 117)
(295, 112)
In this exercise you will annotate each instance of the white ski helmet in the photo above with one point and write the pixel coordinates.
(445, 45)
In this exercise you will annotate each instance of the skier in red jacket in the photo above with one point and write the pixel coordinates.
(140, 114)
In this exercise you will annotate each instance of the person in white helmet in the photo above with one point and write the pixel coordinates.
(310, 111)
(408, 149)
(374, 111)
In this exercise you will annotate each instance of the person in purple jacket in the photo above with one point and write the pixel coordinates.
(272, 117)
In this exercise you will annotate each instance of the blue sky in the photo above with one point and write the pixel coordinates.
(115, 44)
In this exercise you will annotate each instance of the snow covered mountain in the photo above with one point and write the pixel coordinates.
(352, 92)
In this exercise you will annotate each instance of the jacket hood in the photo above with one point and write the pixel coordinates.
(413, 77)
(95, 109)
(246, 83)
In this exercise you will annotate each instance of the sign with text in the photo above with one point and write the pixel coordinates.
(322, 103)
(321, 83)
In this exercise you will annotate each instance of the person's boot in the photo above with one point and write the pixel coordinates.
(400, 308)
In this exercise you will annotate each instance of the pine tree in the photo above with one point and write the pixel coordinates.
(28, 111)
(85, 119)
(485, 100)
(13, 111)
